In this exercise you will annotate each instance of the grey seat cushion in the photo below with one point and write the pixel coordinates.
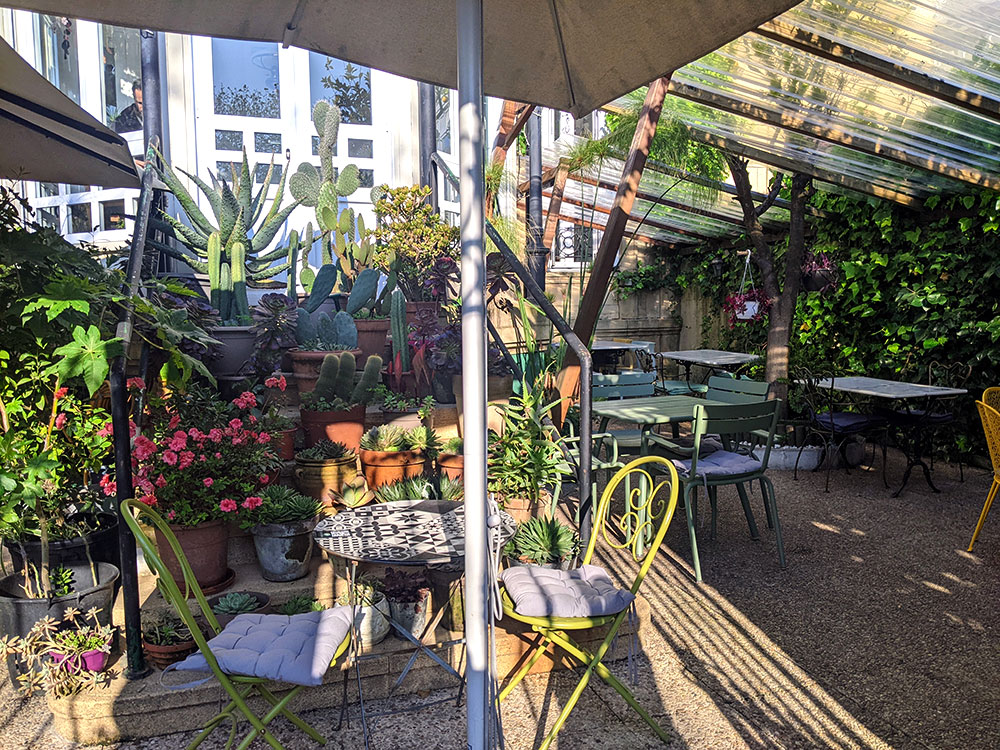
(720, 463)
(285, 648)
(587, 591)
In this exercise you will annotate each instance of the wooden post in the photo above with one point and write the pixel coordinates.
(555, 203)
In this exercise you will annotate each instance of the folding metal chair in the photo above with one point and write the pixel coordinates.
(649, 497)
(240, 688)
(991, 426)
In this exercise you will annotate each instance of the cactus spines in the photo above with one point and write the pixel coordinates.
(336, 384)
(400, 333)
(329, 374)
(305, 328)
(325, 330)
(369, 378)
(345, 330)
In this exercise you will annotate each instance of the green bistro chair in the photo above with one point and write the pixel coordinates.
(239, 688)
(753, 422)
(538, 597)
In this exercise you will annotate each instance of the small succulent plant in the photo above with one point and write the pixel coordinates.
(367, 592)
(236, 603)
(281, 505)
(354, 494)
(325, 450)
(424, 439)
(166, 630)
(385, 438)
(453, 445)
(542, 541)
(451, 489)
(300, 604)
(412, 488)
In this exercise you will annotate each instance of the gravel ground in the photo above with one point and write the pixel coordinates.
(881, 633)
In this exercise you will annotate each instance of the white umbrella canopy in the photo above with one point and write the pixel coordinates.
(573, 55)
(48, 137)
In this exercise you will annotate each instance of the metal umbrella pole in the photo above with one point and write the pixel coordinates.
(470, 150)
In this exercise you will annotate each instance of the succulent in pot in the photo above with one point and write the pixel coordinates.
(166, 640)
(274, 325)
(322, 470)
(299, 604)
(390, 453)
(354, 493)
(543, 541)
(282, 524)
(336, 408)
(451, 459)
(228, 606)
(411, 488)
(409, 599)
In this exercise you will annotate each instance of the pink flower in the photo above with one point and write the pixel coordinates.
(276, 382)
(144, 447)
(263, 438)
(253, 419)
(227, 505)
(174, 421)
(108, 485)
(271, 382)
(106, 431)
(61, 393)
(237, 441)
(60, 420)
(202, 457)
(236, 424)
(263, 479)
(215, 434)
(245, 400)
(195, 434)
(179, 441)
(161, 481)
(137, 384)
(149, 500)
(186, 459)
(132, 429)
(218, 455)
(171, 515)
(170, 458)
(208, 481)
(252, 502)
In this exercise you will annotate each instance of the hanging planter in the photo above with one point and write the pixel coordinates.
(819, 273)
(747, 305)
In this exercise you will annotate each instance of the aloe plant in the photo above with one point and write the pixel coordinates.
(232, 248)
(412, 488)
(542, 541)
(386, 438)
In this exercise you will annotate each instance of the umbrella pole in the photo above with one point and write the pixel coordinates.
(470, 127)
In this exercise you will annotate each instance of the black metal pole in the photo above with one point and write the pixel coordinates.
(428, 139)
(536, 250)
(152, 120)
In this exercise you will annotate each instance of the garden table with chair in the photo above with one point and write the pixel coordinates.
(714, 359)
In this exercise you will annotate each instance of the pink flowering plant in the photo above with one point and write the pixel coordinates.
(201, 459)
(735, 304)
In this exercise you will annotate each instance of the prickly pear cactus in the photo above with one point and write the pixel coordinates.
(345, 330)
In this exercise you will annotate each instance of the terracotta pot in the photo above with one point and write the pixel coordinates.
(235, 349)
(284, 443)
(372, 333)
(452, 465)
(386, 467)
(318, 479)
(163, 656)
(306, 366)
(521, 509)
(205, 546)
(345, 427)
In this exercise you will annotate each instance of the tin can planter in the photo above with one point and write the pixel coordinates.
(318, 479)
(345, 427)
(373, 622)
(386, 467)
(284, 549)
(412, 616)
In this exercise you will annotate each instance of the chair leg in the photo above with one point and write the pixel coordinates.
(300, 723)
(748, 512)
(986, 509)
(690, 498)
(268, 718)
(713, 495)
(772, 503)
(543, 642)
(570, 704)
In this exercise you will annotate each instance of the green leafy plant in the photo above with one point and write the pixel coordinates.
(386, 438)
(453, 445)
(451, 489)
(366, 592)
(299, 604)
(543, 541)
(236, 603)
(325, 450)
(280, 505)
(425, 440)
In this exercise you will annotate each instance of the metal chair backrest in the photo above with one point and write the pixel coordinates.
(633, 384)
(651, 495)
(132, 510)
(736, 390)
(991, 426)
(991, 397)
(731, 423)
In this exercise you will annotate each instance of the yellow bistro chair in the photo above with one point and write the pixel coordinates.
(240, 688)
(651, 488)
(990, 417)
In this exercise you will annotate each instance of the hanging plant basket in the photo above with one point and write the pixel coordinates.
(746, 307)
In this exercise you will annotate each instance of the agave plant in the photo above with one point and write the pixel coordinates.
(230, 249)
(236, 603)
(386, 438)
(412, 488)
(451, 489)
(280, 505)
(543, 541)
(324, 450)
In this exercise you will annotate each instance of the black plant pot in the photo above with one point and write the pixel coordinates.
(102, 543)
(18, 614)
(817, 281)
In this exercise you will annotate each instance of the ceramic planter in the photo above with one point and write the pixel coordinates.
(452, 465)
(318, 479)
(373, 622)
(306, 366)
(90, 661)
(163, 656)
(235, 349)
(748, 310)
(284, 549)
(372, 334)
(102, 544)
(284, 443)
(386, 467)
(345, 427)
(206, 548)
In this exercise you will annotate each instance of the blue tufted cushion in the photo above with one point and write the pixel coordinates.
(720, 463)
(587, 591)
(846, 421)
(285, 648)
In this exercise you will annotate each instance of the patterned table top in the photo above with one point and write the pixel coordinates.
(710, 357)
(888, 388)
(408, 532)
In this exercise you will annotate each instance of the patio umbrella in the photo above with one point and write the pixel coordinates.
(571, 55)
(49, 138)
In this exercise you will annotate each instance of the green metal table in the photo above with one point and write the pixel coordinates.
(650, 411)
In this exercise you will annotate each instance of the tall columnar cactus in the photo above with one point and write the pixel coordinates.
(336, 385)
(233, 248)
(400, 330)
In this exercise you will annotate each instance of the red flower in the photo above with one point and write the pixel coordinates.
(60, 420)
(174, 421)
(161, 481)
(171, 515)
(263, 438)
(186, 459)
(227, 505)
(61, 393)
(215, 434)
(169, 457)
(252, 502)
(208, 481)
(137, 384)
(236, 424)
(179, 441)
(108, 485)
(106, 431)
(149, 500)
(245, 400)
(276, 382)
(263, 479)
(144, 447)
(133, 430)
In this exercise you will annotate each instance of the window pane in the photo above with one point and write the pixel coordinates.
(113, 215)
(57, 58)
(367, 177)
(246, 78)
(48, 217)
(229, 140)
(347, 85)
(224, 170)
(267, 143)
(442, 117)
(78, 188)
(120, 50)
(451, 218)
(260, 173)
(556, 124)
(80, 218)
(359, 148)
(583, 126)
(450, 193)
(47, 189)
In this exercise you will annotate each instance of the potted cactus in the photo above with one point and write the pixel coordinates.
(324, 469)
(544, 542)
(335, 409)
(317, 334)
(451, 460)
(228, 606)
(282, 527)
(389, 454)
(400, 376)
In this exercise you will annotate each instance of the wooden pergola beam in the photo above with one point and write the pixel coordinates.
(512, 120)
(850, 57)
(555, 200)
(789, 165)
(787, 120)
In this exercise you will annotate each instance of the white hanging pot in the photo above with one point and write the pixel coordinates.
(748, 311)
